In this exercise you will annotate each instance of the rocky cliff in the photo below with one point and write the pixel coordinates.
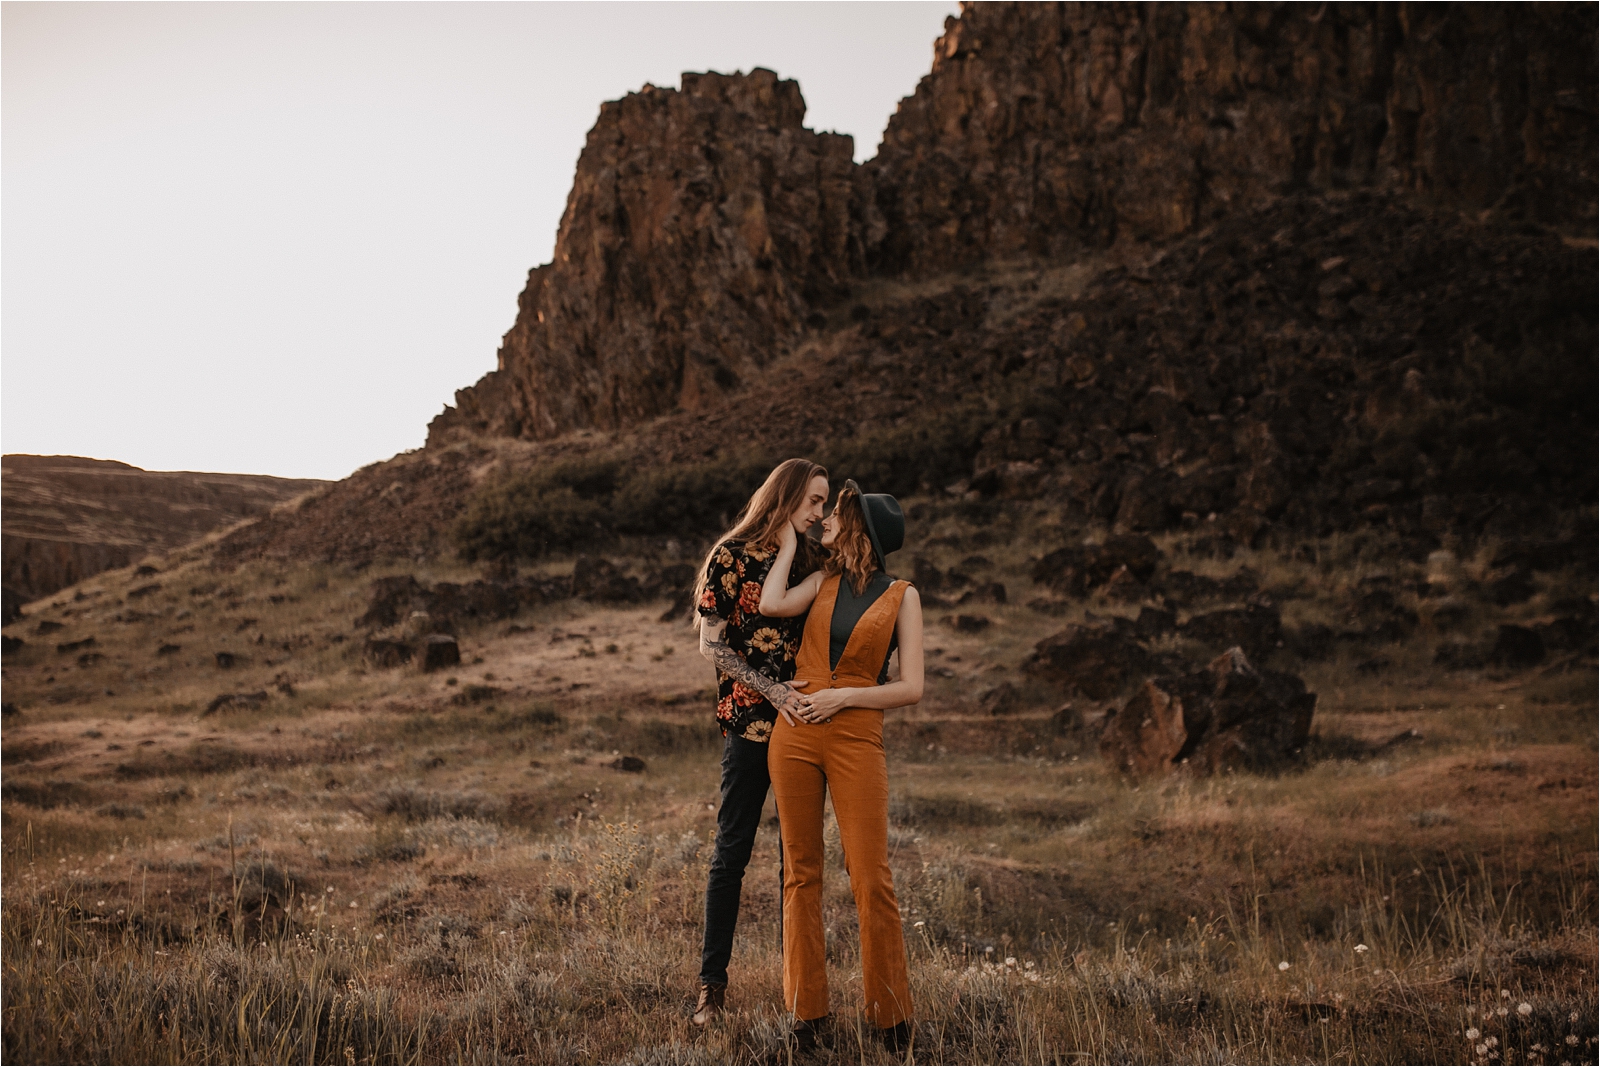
(67, 518)
(1048, 129)
(706, 224)
(702, 224)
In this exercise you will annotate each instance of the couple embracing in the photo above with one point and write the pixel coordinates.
(802, 637)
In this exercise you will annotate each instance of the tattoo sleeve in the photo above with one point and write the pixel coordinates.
(733, 665)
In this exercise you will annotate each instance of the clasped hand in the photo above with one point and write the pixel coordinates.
(802, 708)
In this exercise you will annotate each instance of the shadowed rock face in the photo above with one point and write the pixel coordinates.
(705, 224)
(67, 518)
(1047, 129)
(702, 224)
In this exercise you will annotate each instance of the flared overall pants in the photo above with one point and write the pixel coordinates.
(842, 757)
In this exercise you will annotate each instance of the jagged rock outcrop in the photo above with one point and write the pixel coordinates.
(706, 224)
(702, 225)
(1048, 129)
(68, 518)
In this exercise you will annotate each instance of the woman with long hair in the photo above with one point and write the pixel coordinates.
(754, 655)
(833, 744)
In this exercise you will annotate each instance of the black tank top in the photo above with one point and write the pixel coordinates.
(847, 611)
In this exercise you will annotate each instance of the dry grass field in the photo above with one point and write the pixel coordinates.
(379, 865)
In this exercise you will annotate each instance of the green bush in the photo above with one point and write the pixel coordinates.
(921, 453)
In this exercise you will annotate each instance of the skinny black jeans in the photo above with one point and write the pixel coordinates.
(744, 791)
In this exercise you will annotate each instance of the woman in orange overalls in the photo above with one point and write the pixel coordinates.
(834, 745)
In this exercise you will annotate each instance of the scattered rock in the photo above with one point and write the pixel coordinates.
(144, 570)
(438, 651)
(1227, 716)
(89, 659)
(76, 646)
(1066, 720)
(47, 626)
(8, 710)
(11, 603)
(1003, 699)
(1537, 554)
(1256, 628)
(968, 624)
(383, 652)
(1093, 660)
(9, 644)
(1077, 570)
(226, 660)
(168, 649)
(598, 580)
(143, 591)
(1516, 647)
(631, 764)
(1568, 633)
(1155, 622)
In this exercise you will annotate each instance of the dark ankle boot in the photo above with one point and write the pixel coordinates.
(710, 1003)
(805, 1033)
(896, 1038)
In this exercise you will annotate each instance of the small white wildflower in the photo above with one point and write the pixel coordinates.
(1284, 966)
(919, 924)
(37, 943)
(1472, 1033)
(1362, 948)
(379, 937)
(352, 903)
(1572, 1018)
(1503, 1011)
(1011, 961)
(1480, 1049)
(1505, 994)
(1572, 1039)
(1524, 1009)
(1492, 1042)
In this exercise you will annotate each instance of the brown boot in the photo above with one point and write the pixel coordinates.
(710, 1003)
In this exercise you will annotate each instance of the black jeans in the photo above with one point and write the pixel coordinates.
(744, 791)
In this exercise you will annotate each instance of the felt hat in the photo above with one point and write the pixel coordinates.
(886, 523)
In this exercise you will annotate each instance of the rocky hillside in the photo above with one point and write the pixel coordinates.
(1247, 271)
(67, 518)
(705, 224)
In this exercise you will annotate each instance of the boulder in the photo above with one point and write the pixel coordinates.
(1256, 628)
(9, 644)
(1567, 633)
(1228, 716)
(438, 651)
(1077, 569)
(382, 652)
(1003, 699)
(1516, 647)
(76, 646)
(600, 581)
(225, 660)
(1096, 661)
(968, 624)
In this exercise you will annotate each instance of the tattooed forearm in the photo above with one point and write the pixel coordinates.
(730, 663)
(733, 665)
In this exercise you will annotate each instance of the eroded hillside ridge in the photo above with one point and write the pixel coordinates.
(68, 518)
(706, 224)
(701, 226)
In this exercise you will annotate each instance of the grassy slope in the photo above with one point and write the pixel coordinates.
(472, 879)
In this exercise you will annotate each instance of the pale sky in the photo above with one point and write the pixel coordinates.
(276, 238)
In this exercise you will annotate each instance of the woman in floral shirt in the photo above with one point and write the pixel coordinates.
(754, 656)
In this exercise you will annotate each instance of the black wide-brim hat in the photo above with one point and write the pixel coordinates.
(886, 523)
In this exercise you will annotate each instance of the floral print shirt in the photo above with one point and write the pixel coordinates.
(769, 646)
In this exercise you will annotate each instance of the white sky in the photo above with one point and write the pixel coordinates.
(276, 238)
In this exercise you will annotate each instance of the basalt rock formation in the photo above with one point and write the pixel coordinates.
(1048, 129)
(1227, 716)
(702, 225)
(67, 518)
(706, 225)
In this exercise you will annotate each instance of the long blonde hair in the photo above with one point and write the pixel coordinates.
(768, 508)
(851, 553)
